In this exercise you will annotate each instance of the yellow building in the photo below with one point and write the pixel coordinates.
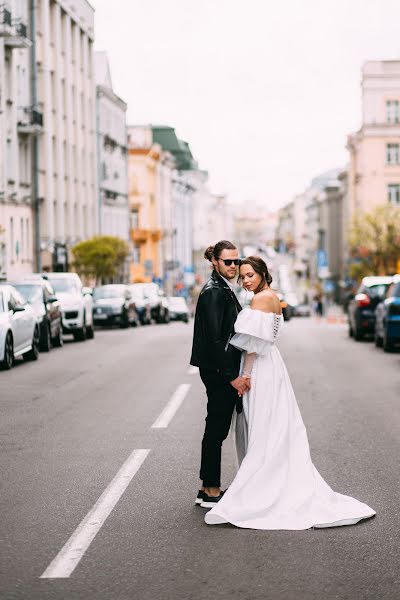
(145, 218)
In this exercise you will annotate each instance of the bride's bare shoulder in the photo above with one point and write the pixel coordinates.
(266, 301)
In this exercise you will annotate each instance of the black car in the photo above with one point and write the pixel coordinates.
(113, 305)
(361, 310)
(40, 295)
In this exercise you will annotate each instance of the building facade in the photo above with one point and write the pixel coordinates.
(112, 154)
(67, 149)
(374, 170)
(20, 123)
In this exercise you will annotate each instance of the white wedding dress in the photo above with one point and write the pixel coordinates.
(277, 485)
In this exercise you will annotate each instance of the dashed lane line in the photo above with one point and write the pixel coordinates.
(169, 411)
(69, 556)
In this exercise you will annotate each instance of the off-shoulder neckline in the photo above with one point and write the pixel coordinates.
(264, 312)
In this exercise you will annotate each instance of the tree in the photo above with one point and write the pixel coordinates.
(375, 242)
(101, 257)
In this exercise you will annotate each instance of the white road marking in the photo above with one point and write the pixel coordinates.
(72, 552)
(176, 400)
(193, 370)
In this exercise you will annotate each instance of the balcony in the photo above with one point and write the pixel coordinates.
(140, 235)
(13, 31)
(30, 121)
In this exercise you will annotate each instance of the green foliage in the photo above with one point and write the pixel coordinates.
(375, 242)
(101, 257)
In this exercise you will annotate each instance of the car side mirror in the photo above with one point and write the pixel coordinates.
(18, 309)
(52, 299)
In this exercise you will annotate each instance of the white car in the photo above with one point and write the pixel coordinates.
(19, 328)
(76, 304)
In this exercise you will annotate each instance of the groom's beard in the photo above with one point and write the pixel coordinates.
(228, 274)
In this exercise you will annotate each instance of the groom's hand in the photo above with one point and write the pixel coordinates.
(241, 385)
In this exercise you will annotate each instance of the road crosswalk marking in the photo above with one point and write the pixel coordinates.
(69, 556)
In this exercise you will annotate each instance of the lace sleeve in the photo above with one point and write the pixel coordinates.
(248, 363)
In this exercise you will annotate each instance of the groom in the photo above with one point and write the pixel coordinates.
(218, 362)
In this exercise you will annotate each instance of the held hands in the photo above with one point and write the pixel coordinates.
(241, 384)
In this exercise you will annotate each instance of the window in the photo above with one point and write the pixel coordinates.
(12, 239)
(392, 154)
(392, 111)
(394, 193)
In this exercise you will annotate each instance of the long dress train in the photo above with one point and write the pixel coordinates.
(277, 486)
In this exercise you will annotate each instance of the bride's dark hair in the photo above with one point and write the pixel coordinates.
(260, 267)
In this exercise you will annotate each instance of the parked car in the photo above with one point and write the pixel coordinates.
(40, 295)
(19, 329)
(293, 301)
(158, 302)
(113, 304)
(76, 304)
(361, 311)
(387, 326)
(178, 309)
(303, 310)
(142, 303)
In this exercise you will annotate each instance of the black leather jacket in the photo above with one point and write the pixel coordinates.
(216, 312)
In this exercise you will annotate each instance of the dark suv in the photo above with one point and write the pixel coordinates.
(361, 311)
(387, 329)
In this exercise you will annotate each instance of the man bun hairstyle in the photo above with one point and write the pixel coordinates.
(216, 251)
(260, 266)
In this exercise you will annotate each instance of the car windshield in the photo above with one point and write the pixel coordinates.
(1, 303)
(377, 291)
(30, 293)
(117, 291)
(64, 285)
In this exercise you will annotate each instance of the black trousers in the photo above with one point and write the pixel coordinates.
(222, 399)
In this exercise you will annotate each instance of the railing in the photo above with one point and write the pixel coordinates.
(29, 117)
(5, 15)
(21, 29)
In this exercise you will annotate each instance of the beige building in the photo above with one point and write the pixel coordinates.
(67, 150)
(374, 170)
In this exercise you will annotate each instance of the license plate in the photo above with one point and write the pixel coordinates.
(101, 316)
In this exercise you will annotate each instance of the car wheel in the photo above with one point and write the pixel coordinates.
(33, 353)
(124, 321)
(387, 343)
(8, 359)
(81, 334)
(46, 341)
(351, 332)
(90, 332)
(58, 341)
(358, 335)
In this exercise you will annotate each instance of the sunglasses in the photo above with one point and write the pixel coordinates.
(228, 261)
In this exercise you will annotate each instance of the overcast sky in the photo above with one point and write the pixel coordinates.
(264, 91)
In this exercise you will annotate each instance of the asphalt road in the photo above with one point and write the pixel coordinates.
(70, 421)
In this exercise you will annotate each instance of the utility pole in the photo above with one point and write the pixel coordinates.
(35, 142)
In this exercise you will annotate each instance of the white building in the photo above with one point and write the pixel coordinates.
(67, 149)
(112, 154)
(19, 122)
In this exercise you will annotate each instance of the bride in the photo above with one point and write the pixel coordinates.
(277, 486)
